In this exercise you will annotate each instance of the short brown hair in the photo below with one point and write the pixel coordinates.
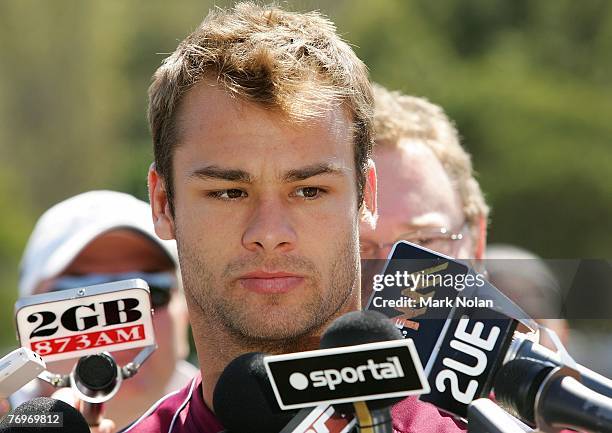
(398, 116)
(292, 62)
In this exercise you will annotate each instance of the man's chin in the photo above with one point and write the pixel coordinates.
(274, 325)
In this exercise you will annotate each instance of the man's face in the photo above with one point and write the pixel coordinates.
(416, 199)
(266, 217)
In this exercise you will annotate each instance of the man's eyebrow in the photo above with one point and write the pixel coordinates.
(216, 172)
(308, 171)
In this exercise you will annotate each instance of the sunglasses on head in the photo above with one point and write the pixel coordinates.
(159, 283)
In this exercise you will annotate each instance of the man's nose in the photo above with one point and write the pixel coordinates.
(270, 227)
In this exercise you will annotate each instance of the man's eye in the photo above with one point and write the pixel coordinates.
(228, 194)
(309, 192)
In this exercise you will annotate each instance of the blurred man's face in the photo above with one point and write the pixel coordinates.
(416, 202)
(118, 252)
(266, 218)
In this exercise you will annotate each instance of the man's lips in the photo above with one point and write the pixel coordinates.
(270, 282)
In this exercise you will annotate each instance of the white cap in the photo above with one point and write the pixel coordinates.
(64, 230)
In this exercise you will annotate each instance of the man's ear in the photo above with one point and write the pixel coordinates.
(369, 210)
(481, 238)
(163, 220)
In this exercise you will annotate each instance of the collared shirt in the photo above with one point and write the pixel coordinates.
(184, 411)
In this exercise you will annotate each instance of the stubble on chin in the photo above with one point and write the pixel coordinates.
(271, 328)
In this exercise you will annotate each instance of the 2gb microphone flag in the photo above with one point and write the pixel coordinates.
(346, 374)
(77, 322)
(461, 325)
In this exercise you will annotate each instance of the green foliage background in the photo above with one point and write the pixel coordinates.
(529, 84)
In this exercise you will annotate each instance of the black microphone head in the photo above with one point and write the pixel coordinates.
(359, 327)
(97, 372)
(517, 383)
(244, 400)
(71, 420)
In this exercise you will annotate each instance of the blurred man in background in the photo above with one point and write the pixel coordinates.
(427, 193)
(99, 237)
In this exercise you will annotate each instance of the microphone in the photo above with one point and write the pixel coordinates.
(95, 380)
(18, 368)
(523, 347)
(363, 378)
(362, 327)
(246, 377)
(551, 397)
(43, 415)
(462, 346)
(87, 323)
(243, 388)
(273, 387)
(484, 416)
(359, 327)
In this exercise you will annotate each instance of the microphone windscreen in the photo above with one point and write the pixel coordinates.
(72, 420)
(244, 400)
(517, 383)
(359, 327)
